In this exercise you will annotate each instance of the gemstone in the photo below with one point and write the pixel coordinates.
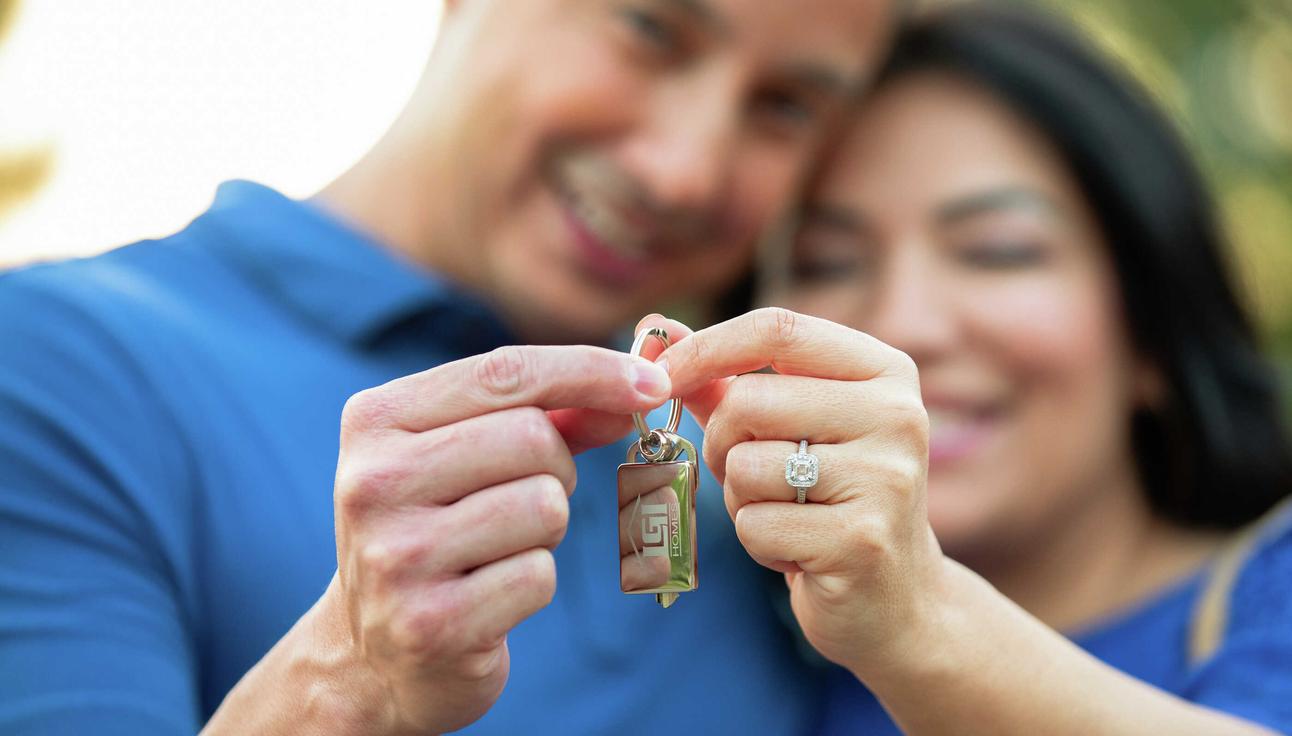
(802, 469)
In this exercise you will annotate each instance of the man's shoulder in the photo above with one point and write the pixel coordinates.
(149, 276)
(99, 324)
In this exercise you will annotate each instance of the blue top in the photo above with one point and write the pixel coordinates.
(169, 415)
(1249, 675)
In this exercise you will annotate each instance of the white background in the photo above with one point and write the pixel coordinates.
(148, 104)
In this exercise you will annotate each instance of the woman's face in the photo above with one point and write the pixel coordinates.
(950, 229)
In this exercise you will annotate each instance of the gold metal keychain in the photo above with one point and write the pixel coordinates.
(657, 505)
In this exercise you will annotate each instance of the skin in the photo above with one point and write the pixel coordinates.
(536, 179)
(574, 202)
(952, 230)
(949, 229)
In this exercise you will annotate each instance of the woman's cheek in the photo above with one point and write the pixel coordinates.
(1061, 350)
(1046, 327)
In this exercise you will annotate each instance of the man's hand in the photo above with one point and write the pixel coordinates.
(451, 492)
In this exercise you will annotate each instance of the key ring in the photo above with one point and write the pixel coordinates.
(649, 437)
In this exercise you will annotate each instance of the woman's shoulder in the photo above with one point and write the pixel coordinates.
(1261, 598)
(1242, 634)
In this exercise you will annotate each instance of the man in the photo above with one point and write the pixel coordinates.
(169, 411)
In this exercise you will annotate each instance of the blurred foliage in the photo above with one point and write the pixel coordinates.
(21, 171)
(1223, 69)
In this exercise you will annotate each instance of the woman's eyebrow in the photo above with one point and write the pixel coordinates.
(994, 200)
(835, 216)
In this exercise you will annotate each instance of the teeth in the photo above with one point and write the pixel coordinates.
(609, 228)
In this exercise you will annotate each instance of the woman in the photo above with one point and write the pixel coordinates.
(1011, 216)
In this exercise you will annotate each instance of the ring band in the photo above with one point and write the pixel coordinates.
(802, 469)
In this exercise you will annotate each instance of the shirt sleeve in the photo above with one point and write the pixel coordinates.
(94, 636)
(1250, 675)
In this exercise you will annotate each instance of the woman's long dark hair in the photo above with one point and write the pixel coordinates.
(1215, 452)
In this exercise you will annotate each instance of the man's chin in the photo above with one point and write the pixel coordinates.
(568, 318)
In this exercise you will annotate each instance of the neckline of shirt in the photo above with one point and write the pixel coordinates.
(343, 280)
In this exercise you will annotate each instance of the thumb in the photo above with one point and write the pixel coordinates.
(703, 400)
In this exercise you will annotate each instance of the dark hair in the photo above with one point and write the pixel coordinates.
(1215, 452)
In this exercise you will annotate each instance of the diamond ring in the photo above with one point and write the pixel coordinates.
(801, 471)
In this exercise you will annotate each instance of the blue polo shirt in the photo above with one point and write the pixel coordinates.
(1249, 674)
(168, 438)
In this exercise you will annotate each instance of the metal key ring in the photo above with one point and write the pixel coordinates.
(675, 411)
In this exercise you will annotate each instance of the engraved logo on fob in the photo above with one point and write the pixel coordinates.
(660, 530)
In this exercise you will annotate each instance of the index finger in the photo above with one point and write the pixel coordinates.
(548, 377)
(788, 342)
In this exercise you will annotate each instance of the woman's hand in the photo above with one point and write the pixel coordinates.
(859, 557)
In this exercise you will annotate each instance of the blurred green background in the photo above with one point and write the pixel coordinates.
(1223, 68)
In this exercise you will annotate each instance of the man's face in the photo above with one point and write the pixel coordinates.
(599, 157)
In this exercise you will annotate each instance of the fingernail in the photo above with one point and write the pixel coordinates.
(662, 362)
(649, 379)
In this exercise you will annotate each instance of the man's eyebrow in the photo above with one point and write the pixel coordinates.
(703, 12)
(994, 200)
(821, 77)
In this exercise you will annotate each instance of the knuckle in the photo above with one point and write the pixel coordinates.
(913, 418)
(422, 635)
(551, 507)
(747, 528)
(375, 559)
(776, 326)
(712, 454)
(913, 472)
(866, 535)
(504, 372)
(536, 575)
(535, 433)
(362, 488)
(544, 576)
(743, 465)
(905, 366)
(364, 411)
(716, 444)
(899, 476)
(384, 561)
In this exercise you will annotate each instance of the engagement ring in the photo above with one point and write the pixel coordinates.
(801, 471)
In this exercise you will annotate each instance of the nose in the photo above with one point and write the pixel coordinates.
(912, 307)
(683, 152)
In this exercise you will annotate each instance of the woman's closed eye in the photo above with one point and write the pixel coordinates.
(841, 261)
(1003, 255)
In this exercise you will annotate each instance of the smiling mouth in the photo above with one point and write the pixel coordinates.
(607, 243)
(957, 434)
